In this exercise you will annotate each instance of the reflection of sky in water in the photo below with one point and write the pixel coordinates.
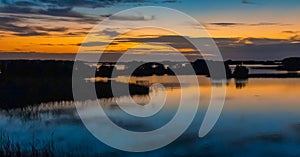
(260, 119)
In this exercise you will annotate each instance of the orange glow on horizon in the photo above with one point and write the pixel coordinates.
(65, 44)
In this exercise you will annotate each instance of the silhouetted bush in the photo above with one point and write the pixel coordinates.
(240, 72)
(291, 64)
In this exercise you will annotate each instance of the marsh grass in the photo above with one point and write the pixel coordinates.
(8, 148)
(35, 148)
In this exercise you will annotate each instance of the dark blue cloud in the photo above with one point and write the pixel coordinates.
(8, 25)
(77, 3)
(64, 8)
(32, 33)
(92, 44)
(236, 48)
(64, 12)
(227, 24)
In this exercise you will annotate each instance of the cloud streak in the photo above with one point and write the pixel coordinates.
(9, 24)
(92, 44)
(62, 12)
(31, 33)
(248, 2)
(132, 18)
(228, 24)
(291, 32)
(77, 3)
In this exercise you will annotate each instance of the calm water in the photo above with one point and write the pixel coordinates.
(261, 117)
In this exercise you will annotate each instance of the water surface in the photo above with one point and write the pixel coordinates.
(261, 117)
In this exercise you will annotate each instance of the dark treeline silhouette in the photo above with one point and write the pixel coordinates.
(48, 69)
(287, 64)
(252, 62)
(291, 64)
(151, 68)
(240, 71)
(198, 67)
(28, 91)
(24, 82)
(29, 82)
(36, 68)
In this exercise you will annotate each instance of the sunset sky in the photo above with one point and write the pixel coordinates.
(242, 29)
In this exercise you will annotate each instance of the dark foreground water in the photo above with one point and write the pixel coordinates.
(261, 117)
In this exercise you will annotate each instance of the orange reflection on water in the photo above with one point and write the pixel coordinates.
(265, 94)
